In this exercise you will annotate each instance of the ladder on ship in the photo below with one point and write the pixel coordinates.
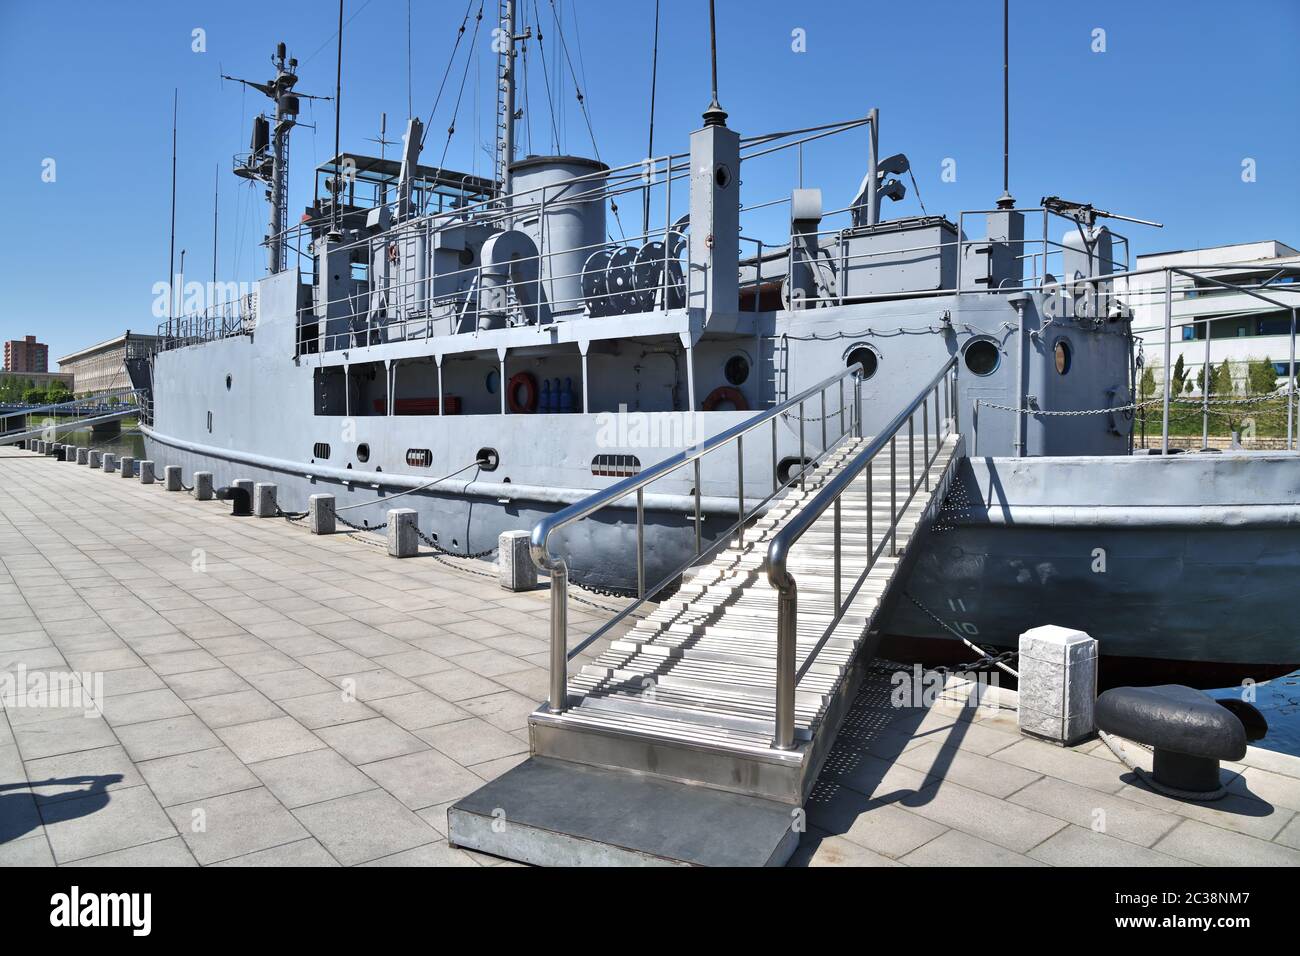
(738, 683)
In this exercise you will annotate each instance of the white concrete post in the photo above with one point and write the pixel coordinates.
(203, 485)
(172, 477)
(94, 459)
(110, 461)
(320, 512)
(515, 567)
(146, 472)
(1058, 684)
(128, 466)
(264, 499)
(402, 525)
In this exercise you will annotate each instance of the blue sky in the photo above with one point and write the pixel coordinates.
(1157, 126)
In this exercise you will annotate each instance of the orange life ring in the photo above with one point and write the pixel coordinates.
(525, 381)
(726, 393)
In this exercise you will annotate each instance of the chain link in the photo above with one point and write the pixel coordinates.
(1134, 406)
(989, 660)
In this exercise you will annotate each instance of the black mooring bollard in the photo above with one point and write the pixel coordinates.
(241, 501)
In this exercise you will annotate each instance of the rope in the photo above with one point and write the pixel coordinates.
(364, 504)
(987, 659)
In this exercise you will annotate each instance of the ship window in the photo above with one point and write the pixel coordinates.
(982, 357)
(1063, 357)
(321, 450)
(866, 357)
(615, 466)
(736, 369)
(419, 457)
(363, 453)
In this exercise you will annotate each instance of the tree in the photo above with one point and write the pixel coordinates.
(1180, 377)
(1223, 380)
(1261, 378)
(1147, 384)
(34, 396)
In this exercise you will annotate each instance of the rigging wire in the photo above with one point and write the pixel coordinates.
(410, 101)
(451, 130)
(546, 78)
(582, 105)
(460, 35)
(650, 149)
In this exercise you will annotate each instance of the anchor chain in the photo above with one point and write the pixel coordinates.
(988, 660)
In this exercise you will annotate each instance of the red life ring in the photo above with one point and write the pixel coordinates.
(525, 381)
(726, 394)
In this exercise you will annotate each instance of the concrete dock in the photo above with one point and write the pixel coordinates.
(266, 696)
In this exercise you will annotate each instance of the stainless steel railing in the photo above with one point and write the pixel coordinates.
(636, 484)
(944, 385)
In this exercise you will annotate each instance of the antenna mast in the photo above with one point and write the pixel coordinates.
(714, 115)
(171, 251)
(504, 39)
(1006, 201)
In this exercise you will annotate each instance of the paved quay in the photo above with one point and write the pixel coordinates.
(267, 696)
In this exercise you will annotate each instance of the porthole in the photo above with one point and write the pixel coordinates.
(982, 357)
(737, 369)
(864, 356)
(491, 381)
(488, 459)
(1063, 357)
(722, 176)
(363, 453)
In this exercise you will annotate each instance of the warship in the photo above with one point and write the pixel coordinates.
(486, 352)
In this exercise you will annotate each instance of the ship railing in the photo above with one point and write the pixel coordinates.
(630, 492)
(941, 388)
(225, 319)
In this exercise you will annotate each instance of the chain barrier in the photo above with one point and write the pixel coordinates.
(1134, 406)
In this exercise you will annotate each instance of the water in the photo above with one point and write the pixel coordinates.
(1279, 701)
(126, 442)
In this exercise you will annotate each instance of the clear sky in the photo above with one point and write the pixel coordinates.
(1156, 126)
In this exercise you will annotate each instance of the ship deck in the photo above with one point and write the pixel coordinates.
(226, 647)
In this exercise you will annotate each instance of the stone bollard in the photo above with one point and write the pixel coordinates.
(402, 526)
(94, 459)
(264, 500)
(1058, 684)
(110, 461)
(52, 449)
(127, 465)
(146, 472)
(515, 566)
(69, 453)
(320, 511)
(172, 477)
(203, 485)
(83, 456)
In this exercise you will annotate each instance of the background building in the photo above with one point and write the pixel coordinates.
(102, 367)
(1209, 320)
(27, 355)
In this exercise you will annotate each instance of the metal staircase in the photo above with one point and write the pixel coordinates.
(727, 697)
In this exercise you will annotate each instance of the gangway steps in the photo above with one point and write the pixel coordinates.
(695, 681)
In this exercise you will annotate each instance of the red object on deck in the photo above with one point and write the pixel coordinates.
(418, 406)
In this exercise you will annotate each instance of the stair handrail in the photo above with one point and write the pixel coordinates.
(778, 551)
(539, 543)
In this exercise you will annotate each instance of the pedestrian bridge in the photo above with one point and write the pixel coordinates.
(16, 421)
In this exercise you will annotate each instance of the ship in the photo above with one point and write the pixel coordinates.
(485, 351)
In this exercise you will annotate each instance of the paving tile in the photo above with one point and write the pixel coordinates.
(489, 663)
(68, 776)
(259, 662)
(101, 823)
(820, 849)
(130, 680)
(62, 735)
(266, 739)
(207, 683)
(1017, 828)
(327, 709)
(365, 826)
(20, 817)
(458, 684)
(164, 738)
(418, 710)
(1213, 846)
(1275, 788)
(240, 707)
(971, 770)
(306, 852)
(472, 741)
(882, 828)
(194, 776)
(143, 705)
(412, 663)
(423, 779)
(506, 710)
(219, 828)
(374, 684)
(954, 848)
(366, 741)
(1065, 764)
(311, 777)
(33, 850)
(160, 853)
(1087, 808)
(181, 662)
(1076, 846)
(431, 854)
(296, 682)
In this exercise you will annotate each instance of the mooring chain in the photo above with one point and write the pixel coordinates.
(1133, 406)
(1001, 661)
(453, 554)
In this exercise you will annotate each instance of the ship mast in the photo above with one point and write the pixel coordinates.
(268, 157)
(504, 39)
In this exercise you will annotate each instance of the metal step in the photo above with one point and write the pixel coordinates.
(688, 694)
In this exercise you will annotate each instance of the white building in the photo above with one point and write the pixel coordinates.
(1208, 319)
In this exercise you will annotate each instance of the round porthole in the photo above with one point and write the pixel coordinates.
(982, 357)
(363, 453)
(722, 176)
(1063, 357)
(737, 369)
(492, 380)
(864, 356)
(488, 459)
(228, 382)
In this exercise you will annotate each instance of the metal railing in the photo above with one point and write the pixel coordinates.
(943, 385)
(635, 485)
(232, 317)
